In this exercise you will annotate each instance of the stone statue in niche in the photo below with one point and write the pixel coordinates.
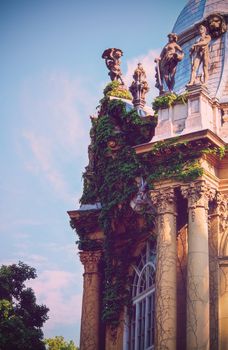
(216, 25)
(139, 87)
(166, 67)
(112, 60)
(199, 54)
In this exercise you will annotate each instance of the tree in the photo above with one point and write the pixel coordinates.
(21, 318)
(59, 343)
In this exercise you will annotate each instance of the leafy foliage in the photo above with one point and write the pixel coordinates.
(21, 318)
(59, 343)
(168, 100)
(115, 89)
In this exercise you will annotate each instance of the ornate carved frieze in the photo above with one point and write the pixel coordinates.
(222, 210)
(90, 260)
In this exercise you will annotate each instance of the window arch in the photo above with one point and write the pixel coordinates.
(141, 322)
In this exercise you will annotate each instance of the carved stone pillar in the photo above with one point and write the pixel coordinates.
(198, 335)
(165, 313)
(89, 337)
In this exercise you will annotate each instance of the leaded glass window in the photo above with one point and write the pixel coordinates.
(141, 322)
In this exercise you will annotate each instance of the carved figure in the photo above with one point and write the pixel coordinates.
(171, 54)
(216, 25)
(139, 86)
(112, 60)
(199, 53)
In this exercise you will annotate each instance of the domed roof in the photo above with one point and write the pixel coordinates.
(196, 10)
(194, 13)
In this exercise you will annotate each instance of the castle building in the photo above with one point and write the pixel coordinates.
(153, 220)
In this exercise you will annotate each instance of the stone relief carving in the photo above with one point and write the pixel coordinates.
(139, 87)
(216, 25)
(166, 67)
(199, 54)
(112, 60)
(222, 210)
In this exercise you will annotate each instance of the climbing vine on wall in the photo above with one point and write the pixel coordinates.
(110, 179)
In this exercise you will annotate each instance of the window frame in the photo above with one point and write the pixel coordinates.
(138, 326)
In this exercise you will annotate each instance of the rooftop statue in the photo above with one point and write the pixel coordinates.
(139, 87)
(112, 60)
(166, 67)
(199, 53)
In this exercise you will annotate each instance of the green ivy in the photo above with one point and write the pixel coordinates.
(168, 100)
(116, 89)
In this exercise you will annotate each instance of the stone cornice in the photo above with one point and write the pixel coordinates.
(84, 221)
(204, 136)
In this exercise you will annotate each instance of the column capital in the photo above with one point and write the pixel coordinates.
(198, 194)
(90, 260)
(164, 200)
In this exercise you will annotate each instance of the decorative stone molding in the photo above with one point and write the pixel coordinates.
(198, 193)
(90, 260)
(222, 210)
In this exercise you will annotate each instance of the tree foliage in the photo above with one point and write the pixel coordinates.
(59, 343)
(21, 318)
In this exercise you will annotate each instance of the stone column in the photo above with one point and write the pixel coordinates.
(198, 194)
(89, 337)
(165, 313)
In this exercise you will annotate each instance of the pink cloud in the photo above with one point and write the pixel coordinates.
(58, 290)
(56, 109)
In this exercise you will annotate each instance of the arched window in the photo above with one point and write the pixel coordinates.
(141, 323)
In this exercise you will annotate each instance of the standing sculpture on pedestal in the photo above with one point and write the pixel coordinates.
(199, 53)
(139, 87)
(112, 60)
(171, 54)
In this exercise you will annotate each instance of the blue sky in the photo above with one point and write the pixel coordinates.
(51, 79)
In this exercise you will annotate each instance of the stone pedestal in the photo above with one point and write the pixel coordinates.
(89, 337)
(198, 327)
(200, 110)
(165, 313)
